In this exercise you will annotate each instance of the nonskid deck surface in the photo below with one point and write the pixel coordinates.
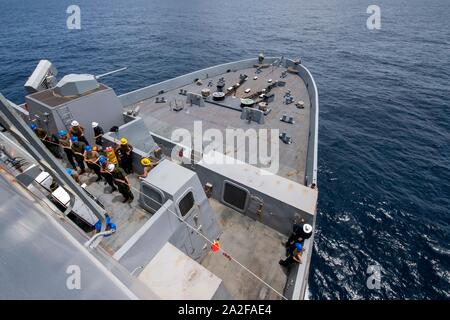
(255, 246)
(292, 158)
(129, 217)
(250, 242)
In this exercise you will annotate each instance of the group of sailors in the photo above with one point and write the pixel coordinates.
(111, 164)
(114, 163)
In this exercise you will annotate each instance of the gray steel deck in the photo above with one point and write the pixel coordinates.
(163, 121)
(129, 217)
(36, 253)
(254, 245)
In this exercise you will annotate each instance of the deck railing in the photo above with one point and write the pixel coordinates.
(298, 276)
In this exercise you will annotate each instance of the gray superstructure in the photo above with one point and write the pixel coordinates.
(199, 191)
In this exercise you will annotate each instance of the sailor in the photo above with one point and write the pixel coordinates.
(120, 178)
(66, 144)
(78, 131)
(296, 256)
(110, 154)
(91, 157)
(41, 133)
(74, 174)
(98, 133)
(78, 151)
(50, 141)
(103, 162)
(148, 165)
(300, 233)
(125, 154)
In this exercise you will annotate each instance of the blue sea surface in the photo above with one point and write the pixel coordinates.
(384, 149)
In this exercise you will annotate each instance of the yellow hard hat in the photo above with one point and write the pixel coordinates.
(123, 141)
(146, 161)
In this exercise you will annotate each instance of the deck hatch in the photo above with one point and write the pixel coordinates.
(153, 199)
(235, 196)
(186, 204)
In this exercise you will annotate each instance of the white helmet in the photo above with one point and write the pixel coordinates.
(307, 228)
(94, 124)
(74, 123)
(111, 167)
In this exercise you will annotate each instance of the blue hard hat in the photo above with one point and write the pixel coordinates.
(69, 171)
(298, 246)
(74, 139)
(88, 148)
(62, 133)
(33, 126)
(102, 159)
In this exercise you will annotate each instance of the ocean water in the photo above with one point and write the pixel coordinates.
(384, 151)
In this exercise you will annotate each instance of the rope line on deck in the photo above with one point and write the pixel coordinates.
(220, 248)
(208, 240)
